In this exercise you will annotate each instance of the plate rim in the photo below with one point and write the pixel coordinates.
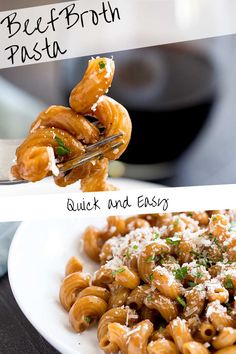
(55, 343)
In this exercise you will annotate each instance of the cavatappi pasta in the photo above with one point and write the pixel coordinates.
(62, 133)
(166, 284)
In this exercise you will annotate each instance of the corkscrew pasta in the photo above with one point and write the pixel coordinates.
(60, 134)
(148, 297)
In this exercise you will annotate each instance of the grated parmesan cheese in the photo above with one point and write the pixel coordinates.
(215, 307)
(108, 69)
(94, 106)
(36, 126)
(52, 162)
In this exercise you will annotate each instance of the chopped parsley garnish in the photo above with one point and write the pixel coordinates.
(214, 240)
(170, 258)
(217, 243)
(181, 273)
(191, 284)
(196, 254)
(135, 247)
(150, 259)
(176, 223)
(87, 319)
(102, 65)
(214, 218)
(154, 258)
(61, 150)
(161, 325)
(173, 241)
(167, 258)
(149, 298)
(199, 275)
(59, 140)
(181, 301)
(225, 261)
(117, 271)
(206, 262)
(229, 307)
(228, 283)
(156, 235)
(150, 276)
(127, 254)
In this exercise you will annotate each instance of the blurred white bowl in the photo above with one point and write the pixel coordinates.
(17, 111)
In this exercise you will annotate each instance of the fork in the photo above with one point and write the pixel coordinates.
(93, 151)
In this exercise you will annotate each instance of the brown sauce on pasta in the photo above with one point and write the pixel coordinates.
(166, 284)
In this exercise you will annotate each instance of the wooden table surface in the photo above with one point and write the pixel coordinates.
(17, 335)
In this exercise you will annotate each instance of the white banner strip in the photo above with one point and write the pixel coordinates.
(77, 205)
(84, 27)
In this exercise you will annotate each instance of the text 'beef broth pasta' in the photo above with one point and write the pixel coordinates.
(166, 284)
(61, 133)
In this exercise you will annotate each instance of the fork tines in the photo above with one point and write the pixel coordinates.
(103, 142)
(93, 152)
(97, 152)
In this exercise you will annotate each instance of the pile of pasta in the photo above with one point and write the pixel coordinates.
(62, 133)
(166, 284)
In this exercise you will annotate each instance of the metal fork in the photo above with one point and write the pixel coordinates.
(93, 151)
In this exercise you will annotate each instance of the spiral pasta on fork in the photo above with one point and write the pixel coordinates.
(60, 134)
(145, 297)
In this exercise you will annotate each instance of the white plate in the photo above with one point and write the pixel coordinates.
(36, 264)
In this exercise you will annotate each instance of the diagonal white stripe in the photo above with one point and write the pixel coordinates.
(108, 26)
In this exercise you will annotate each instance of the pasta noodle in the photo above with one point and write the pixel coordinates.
(162, 346)
(207, 331)
(71, 286)
(194, 348)
(225, 338)
(131, 340)
(73, 266)
(164, 305)
(85, 311)
(121, 315)
(147, 296)
(180, 333)
(119, 295)
(60, 134)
